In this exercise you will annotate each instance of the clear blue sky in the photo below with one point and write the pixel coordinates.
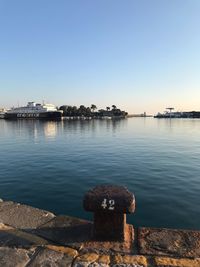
(141, 55)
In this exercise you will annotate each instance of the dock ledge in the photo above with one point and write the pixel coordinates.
(33, 237)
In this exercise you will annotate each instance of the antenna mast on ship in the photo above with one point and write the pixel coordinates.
(170, 110)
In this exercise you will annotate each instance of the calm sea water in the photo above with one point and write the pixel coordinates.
(51, 165)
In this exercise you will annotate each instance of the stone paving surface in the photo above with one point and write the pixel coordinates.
(48, 257)
(30, 237)
(178, 243)
(65, 230)
(16, 238)
(12, 257)
(23, 216)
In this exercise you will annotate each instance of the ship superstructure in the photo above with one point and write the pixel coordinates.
(34, 111)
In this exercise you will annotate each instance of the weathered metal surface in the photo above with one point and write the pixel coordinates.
(110, 204)
(109, 198)
(109, 226)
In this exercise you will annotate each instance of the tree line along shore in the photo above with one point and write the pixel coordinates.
(91, 112)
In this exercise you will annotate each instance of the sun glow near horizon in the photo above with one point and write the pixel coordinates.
(140, 56)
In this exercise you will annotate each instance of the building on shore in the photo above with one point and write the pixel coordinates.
(178, 114)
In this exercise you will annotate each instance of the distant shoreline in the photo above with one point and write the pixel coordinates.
(138, 116)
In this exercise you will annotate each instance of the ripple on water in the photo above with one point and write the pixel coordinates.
(51, 165)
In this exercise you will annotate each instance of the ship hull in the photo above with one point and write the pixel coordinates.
(54, 115)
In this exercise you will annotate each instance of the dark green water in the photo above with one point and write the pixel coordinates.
(51, 165)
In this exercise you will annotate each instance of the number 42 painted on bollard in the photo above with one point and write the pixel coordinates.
(108, 204)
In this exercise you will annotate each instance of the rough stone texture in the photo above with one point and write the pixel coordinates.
(177, 243)
(104, 259)
(111, 247)
(22, 216)
(136, 260)
(69, 251)
(5, 227)
(172, 262)
(66, 231)
(51, 258)
(5, 204)
(52, 243)
(12, 257)
(11, 237)
(124, 201)
(86, 260)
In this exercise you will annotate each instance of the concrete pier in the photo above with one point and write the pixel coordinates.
(31, 237)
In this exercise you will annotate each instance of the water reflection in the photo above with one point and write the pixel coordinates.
(93, 125)
(52, 164)
(176, 125)
(50, 129)
(31, 128)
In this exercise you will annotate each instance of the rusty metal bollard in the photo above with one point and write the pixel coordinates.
(110, 203)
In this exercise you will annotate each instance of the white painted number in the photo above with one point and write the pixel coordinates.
(110, 205)
(103, 204)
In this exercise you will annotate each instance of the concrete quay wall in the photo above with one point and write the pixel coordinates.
(33, 237)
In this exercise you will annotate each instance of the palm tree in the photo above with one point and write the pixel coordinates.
(74, 111)
(108, 108)
(64, 109)
(114, 107)
(88, 111)
(82, 110)
(93, 107)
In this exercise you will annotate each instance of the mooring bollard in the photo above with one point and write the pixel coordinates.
(110, 203)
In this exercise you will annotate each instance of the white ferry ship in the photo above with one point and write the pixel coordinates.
(2, 113)
(34, 111)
